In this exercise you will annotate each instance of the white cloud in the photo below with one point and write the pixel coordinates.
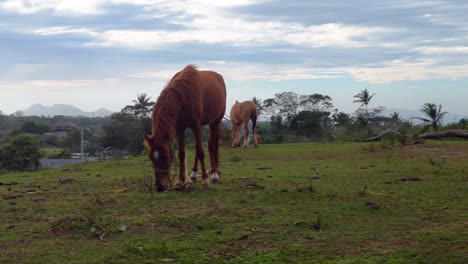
(94, 7)
(58, 6)
(163, 75)
(211, 22)
(239, 32)
(248, 72)
(57, 83)
(217, 62)
(453, 50)
(50, 31)
(201, 21)
(406, 71)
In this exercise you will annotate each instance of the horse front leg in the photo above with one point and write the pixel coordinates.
(182, 171)
(194, 174)
(200, 154)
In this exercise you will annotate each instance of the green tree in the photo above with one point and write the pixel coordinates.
(257, 101)
(341, 118)
(21, 153)
(289, 104)
(434, 115)
(395, 119)
(141, 107)
(72, 142)
(34, 128)
(309, 123)
(463, 123)
(364, 97)
(125, 132)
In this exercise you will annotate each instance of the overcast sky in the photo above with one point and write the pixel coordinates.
(101, 53)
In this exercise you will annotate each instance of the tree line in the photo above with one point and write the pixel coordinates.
(287, 117)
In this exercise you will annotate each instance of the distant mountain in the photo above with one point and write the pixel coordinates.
(63, 109)
(408, 114)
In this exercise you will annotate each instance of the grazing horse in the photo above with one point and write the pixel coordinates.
(240, 114)
(191, 99)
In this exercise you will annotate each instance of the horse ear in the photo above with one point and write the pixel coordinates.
(146, 141)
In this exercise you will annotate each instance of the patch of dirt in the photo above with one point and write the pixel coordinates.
(372, 206)
(38, 199)
(389, 246)
(66, 180)
(451, 151)
(411, 179)
(254, 186)
(12, 196)
(8, 184)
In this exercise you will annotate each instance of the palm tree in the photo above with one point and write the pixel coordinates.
(364, 98)
(395, 118)
(258, 102)
(141, 107)
(434, 114)
(463, 123)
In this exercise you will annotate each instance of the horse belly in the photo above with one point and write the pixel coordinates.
(214, 97)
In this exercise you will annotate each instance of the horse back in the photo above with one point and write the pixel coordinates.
(213, 91)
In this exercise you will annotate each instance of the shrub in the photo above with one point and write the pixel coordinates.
(21, 153)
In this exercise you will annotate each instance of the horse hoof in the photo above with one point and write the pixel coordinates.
(214, 178)
(193, 176)
(214, 181)
(160, 189)
(179, 184)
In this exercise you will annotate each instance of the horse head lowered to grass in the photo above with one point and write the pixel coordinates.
(191, 99)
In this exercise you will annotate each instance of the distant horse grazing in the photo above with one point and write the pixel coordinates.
(241, 113)
(192, 99)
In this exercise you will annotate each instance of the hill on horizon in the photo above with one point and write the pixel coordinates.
(63, 109)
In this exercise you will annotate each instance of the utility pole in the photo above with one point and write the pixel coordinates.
(82, 144)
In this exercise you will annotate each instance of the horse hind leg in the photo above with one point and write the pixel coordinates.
(234, 134)
(200, 153)
(246, 135)
(239, 137)
(213, 147)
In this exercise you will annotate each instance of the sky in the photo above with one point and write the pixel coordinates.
(101, 53)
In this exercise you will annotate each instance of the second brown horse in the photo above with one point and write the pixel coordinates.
(241, 113)
(192, 99)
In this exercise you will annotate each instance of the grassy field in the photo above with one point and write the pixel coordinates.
(51, 152)
(363, 204)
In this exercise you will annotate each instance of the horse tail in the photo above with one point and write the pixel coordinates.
(254, 117)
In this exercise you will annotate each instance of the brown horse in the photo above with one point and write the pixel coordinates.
(191, 99)
(240, 114)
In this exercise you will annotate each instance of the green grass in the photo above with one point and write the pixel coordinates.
(266, 210)
(51, 151)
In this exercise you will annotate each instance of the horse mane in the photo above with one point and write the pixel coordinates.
(170, 102)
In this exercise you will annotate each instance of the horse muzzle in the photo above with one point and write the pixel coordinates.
(162, 182)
